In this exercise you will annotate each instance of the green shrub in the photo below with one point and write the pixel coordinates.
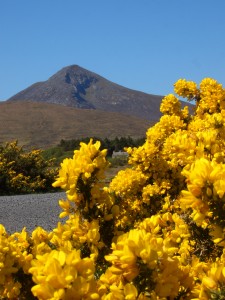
(23, 172)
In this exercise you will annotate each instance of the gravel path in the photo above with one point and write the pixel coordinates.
(30, 211)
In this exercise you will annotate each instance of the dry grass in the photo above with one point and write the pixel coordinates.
(42, 125)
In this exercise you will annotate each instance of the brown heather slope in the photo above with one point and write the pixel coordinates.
(42, 125)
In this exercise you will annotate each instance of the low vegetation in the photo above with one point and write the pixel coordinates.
(23, 171)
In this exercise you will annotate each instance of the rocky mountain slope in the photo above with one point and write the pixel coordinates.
(77, 87)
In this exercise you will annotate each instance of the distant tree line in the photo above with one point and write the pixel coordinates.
(116, 144)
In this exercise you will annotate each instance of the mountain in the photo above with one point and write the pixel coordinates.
(43, 125)
(77, 87)
(76, 103)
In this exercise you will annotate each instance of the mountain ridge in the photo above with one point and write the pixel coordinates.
(75, 86)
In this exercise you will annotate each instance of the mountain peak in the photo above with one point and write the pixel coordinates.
(74, 71)
(77, 87)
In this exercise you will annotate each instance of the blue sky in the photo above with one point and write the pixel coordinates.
(144, 45)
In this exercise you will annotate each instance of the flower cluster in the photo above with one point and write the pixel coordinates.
(186, 89)
(81, 177)
(62, 275)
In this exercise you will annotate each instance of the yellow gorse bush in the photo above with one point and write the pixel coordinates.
(157, 231)
(23, 172)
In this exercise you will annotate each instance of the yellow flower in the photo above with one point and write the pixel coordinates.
(170, 105)
(127, 182)
(60, 274)
(186, 89)
(130, 292)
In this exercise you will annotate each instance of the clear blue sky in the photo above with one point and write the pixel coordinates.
(144, 45)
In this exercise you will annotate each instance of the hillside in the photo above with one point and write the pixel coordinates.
(76, 87)
(42, 125)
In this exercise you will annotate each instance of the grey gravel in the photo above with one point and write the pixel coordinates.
(30, 211)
